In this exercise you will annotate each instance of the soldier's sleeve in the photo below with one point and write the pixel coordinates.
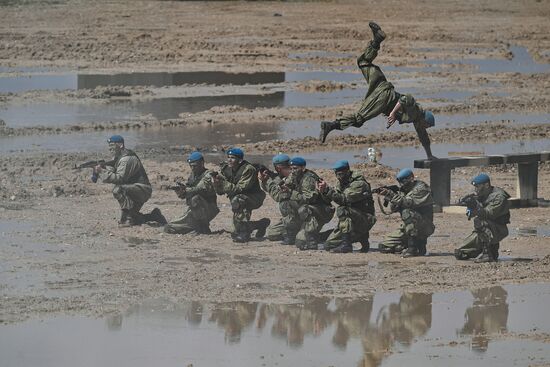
(245, 183)
(203, 187)
(407, 100)
(309, 194)
(353, 193)
(127, 167)
(273, 188)
(496, 207)
(419, 196)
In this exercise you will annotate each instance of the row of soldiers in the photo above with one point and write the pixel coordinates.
(305, 203)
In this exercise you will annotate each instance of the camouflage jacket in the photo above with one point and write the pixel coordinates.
(495, 206)
(418, 198)
(410, 111)
(356, 194)
(243, 180)
(201, 185)
(272, 186)
(127, 170)
(303, 189)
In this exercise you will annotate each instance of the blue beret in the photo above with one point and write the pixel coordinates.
(298, 161)
(194, 157)
(116, 139)
(480, 179)
(237, 152)
(404, 173)
(430, 118)
(340, 165)
(280, 159)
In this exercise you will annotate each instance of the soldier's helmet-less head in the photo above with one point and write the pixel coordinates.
(280, 160)
(482, 184)
(405, 177)
(341, 170)
(195, 159)
(297, 164)
(116, 143)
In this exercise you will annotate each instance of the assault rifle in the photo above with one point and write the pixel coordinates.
(471, 203)
(91, 164)
(379, 190)
(178, 186)
(263, 169)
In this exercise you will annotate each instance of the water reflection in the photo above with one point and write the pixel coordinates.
(487, 316)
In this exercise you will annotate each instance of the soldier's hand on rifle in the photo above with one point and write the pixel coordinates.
(322, 186)
(98, 169)
(263, 176)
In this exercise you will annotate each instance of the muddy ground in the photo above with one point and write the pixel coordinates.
(62, 251)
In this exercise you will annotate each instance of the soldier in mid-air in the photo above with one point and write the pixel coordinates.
(132, 188)
(355, 210)
(414, 202)
(381, 98)
(200, 197)
(490, 209)
(238, 179)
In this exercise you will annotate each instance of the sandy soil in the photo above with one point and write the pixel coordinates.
(62, 250)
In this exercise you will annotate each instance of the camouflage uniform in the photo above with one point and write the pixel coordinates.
(132, 188)
(272, 186)
(243, 190)
(306, 211)
(355, 211)
(416, 208)
(490, 226)
(202, 207)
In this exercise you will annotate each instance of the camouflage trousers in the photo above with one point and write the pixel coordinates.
(486, 234)
(132, 197)
(304, 220)
(414, 226)
(350, 221)
(242, 206)
(196, 218)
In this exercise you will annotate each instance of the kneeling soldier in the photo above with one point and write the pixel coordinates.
(491, 213)
(414, 202)
(200, 198)
(271, 183)
(306, 211)
(355, 211)
(238, 180)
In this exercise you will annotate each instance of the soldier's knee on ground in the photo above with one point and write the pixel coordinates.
(238, 203)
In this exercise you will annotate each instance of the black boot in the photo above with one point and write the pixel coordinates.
(345, 246)
(310, 243)
(494, 250)
(421, 246)
(261, 226)
(486, 256)
(289, 239)
(156, 216)
(203, 228)
(242, 237)
(365, 246)
(378, 35)
(327, 127)
(461, 255)
(123, 216)
(412, 250)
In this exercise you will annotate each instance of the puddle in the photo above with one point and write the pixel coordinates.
(133, 241)
(388, 329)
(539, 231)
(522, 62)
(320, 55)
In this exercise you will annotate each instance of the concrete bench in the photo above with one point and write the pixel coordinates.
(528, 173)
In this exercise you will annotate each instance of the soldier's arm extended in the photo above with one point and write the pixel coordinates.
(245, 183)
(127, 168)
(419, 196)
(353, 193)
(203, 187)
(309, 194)
(497, 206)
(273, 187)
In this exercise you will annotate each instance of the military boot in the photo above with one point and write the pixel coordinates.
(385, 249)
(486, 256)
(310, 242)
(378, 35)
(289, 239)
(412, 250)
(461, 255)
(494, 250)
(123, 216)
(203, 228)
(365, 246)
(421, 246)
(156, 216)
(242, 237)
(261, 226)
(327, 127)
(345, 246)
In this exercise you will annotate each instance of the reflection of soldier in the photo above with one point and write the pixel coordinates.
(272, 184)
(238, 180)
(382, 98)
(355, 209)
(132, 188)
(488, 315)
(200, 197)
(402, 322)
(194, 313)
(233, 318)
(415, 204)
(352, 318)
(491, 216)
(306, 211)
